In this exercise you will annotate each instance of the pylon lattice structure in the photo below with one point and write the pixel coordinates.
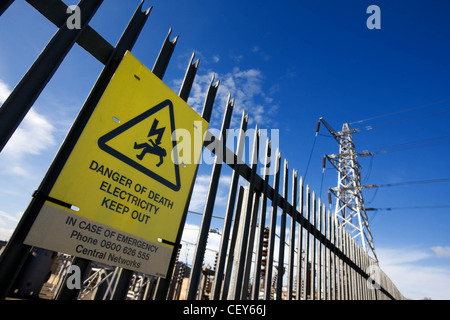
(349, 208)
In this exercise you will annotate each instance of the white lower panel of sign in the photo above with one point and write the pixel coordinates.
(58, 230)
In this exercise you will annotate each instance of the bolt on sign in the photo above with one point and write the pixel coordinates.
(121, 195)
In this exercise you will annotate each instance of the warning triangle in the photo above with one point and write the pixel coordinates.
(145, 143)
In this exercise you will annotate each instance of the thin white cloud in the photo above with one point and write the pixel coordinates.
(5, 233)
(34, 135)
(236, 57)
(19, 170)
(8, 223)
(199, 193)
(412, 272)
(419, 281)
(4, 91)
(201, 188)
(11, 218)
(257, 50)
(402, 256)
(441, 251)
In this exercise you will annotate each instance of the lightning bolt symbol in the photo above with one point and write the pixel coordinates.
(156, 131)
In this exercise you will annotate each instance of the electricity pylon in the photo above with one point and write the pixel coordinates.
(349, 208)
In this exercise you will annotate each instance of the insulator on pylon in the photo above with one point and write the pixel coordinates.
(215, 260)
(329, 198)
(180, 272)
(264, 251)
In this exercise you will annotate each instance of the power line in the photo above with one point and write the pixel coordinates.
(401, 111)
(200, 213)
(397, 121)
(396, 184)
(414, 144)
(410, 208)
(311, 153)
(376, 210)
(405, 183)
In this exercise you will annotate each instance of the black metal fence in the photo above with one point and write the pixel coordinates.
(313, 258)
(318, 260)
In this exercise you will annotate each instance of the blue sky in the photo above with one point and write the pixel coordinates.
(287, 63)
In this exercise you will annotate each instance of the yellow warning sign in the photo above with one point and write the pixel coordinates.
(127, 180)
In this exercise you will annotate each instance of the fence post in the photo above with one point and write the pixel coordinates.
(323, 265)
(209, 206)
(306, 271)
(234, 234)
(351, 271)
(319, 250)
(313, 246)
(161, 63)
(282, 243)
(253, 218)
(329, 254)
(261, 226)
(251, 241)
(294, 218)
(337, 260)
(300, 263)
(273, 221)
(363, 284)
(188, 80)
(245, 223)
(332, 270)
(218, 278)
(344, 263)
(359, 274)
